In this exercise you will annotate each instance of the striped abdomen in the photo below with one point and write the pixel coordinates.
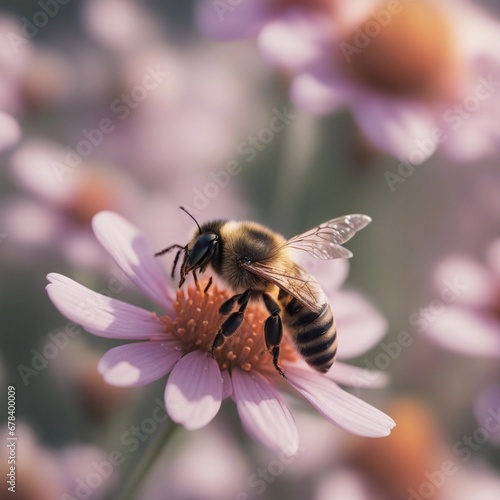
(314, 333)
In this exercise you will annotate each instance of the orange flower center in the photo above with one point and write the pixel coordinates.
(197, 320)
(407, 51)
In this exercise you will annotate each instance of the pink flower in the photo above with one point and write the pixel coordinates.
(177, 344)
(10, 131)
(469, 320)
(46, 474)
(415, 75)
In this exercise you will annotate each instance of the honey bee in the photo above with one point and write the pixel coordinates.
(255, 262)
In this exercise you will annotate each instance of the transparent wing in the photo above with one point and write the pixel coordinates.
(323, 241)
(293, 280)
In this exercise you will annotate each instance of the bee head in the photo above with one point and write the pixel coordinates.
(203, 249)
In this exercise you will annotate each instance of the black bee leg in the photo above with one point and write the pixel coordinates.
(196, 280)
(209, 284)
(234, 320)
(273, 330)
(165, 250)
(177, 255)
(183, 269)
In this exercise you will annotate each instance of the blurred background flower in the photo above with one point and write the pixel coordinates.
(285, 112)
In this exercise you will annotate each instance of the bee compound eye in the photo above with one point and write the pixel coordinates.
(202, 250)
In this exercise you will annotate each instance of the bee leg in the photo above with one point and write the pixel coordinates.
(196, 280)
(165, 250)
(183, 269)
(209, 284)
(177, 255)
(273, 330)
(241, 298)
(234, 320)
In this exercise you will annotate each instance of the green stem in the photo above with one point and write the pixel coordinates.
(298, 153)
(139, 474)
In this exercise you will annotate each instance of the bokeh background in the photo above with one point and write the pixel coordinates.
(172, 139)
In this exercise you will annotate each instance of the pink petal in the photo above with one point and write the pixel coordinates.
(139, 363)
(487, 411)
(343, 483)
(38, 167)
(133, 253)
(357, 377)
(99, 314)
(194, 390)
(340, 407)
(476, 138)
(10, 131)
(330, 274)
(221, 20)
(263, 412)
(465, 331)
(359, 325)
(295, 38)
(319, 93)
(227, 385)
(462, 280)
(401, 128)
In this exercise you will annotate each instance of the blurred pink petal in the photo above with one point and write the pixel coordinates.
(194, 390)
(139, 363)
(462, 280)
(34, 167)
(487, 411)
(319, 95)
(340, 407)
(475, 481)
(209, 465)
(134, 255)
(263, 413)
(294, 39)
(344, 484)
(118, 24)
(10, 131)
(100, 314)
(466, 331)
(357, 377)
(395, 125)
(359, 325)
(330, 274)
(223, 21)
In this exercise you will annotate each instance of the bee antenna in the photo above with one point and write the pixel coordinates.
(182, 208)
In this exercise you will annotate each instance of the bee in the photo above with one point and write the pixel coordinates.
(255, 262)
